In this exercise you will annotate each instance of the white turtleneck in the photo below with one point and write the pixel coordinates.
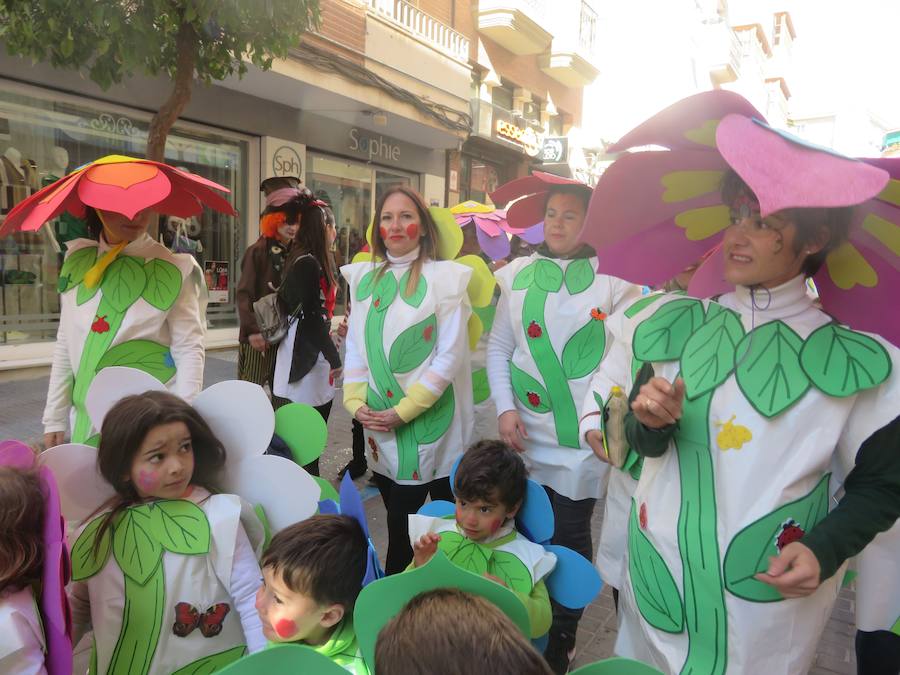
(404, 260)
(790, 300)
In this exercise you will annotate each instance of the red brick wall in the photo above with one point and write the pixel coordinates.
(343, 26)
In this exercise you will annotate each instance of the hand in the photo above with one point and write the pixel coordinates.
(493, 578)
(334, 374)
(389, 419)
(342, 328)
(54, 438)
(425, 548)
(258, 342)
(794, 572)
(594, 439)
(366, 416)
(512, 430)
(658, 404)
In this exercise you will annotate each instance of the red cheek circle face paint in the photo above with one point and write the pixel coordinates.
(285, 628)
(458, 513)
(412, 231)
(147, 480)
(495, 525)
(384, 231)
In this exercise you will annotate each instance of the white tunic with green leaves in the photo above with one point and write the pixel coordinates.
(775, 393)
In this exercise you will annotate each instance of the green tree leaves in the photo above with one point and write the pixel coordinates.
(528, 390)
(88, 558)
(654, 588)
(416, 297)
(663, 336)
(708, 356)
(584, 350)
(123, 283)
(77, 264)
(413, 345)
(579, 276)
(163, 283)
(749, 552)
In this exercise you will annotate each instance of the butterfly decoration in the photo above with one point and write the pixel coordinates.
(188, 618)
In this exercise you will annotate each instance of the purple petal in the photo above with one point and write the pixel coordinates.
(494, 248)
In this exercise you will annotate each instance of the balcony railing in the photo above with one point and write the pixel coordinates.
(587, 30)
(423, 26)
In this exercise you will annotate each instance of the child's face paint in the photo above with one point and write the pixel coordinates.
(399, 224)
(290, 616)
(163, 465)
(479, 519)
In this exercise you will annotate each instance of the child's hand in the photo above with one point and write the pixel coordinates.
(425, 548)
(493, 578)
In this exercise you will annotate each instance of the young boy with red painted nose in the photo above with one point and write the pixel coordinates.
(312, 574)
(490, 486)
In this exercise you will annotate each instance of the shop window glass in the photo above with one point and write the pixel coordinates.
(42, 139)
(479, 179)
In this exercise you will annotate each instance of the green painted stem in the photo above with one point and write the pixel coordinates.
(137, 641)
(407, 447)
(704, 595)
(95, 347)
(562, 405)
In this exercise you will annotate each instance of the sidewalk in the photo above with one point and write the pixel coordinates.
(20, 417)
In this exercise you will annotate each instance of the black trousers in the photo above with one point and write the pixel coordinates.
(572, 528)
(877, 653)
(400, 501)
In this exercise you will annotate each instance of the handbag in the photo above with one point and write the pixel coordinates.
(271, 317)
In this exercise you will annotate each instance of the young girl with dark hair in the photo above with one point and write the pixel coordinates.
(308, 361)
(166, 575)
(22, 644)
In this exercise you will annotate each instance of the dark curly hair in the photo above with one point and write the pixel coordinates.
(491, 470)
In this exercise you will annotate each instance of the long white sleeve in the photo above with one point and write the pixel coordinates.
(22, 648)
(187, 324)
(451, 350)
(245, 581)
(59, 392)
(356, 369)
(501, 345)
(80, 604)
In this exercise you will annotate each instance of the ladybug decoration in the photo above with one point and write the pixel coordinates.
(790, 532)
(426, 334)
(534, 399)
(100, 325)
(534, 330)
(642, 516)
(188, 617)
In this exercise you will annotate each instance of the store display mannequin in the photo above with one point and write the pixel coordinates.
(13, 187)
(59, 161)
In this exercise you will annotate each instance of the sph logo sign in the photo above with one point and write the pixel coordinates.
(286, 162)
(373, 148)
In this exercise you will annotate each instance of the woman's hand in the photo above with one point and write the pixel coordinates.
(658, 404)
(389, 419)
(425, 548)
(334, 375)
(383, 420)
(795, 572)
(53, 438)
(258, 342)
(342, 328)
(594, 439)
(512, 430)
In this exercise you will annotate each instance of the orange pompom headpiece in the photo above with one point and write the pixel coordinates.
(270, 222)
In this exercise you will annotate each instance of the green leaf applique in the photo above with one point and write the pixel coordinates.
(486, 314)
(547, 275)
(163, 284)
(213, 663)
(749, 552)
(708, 356)
(88, 559)
(481, 390)
(434, 422)
(374, 401)
(528, 390)
(841, 362)
(151, 357)
(662, 336)
(366, 285)
(654, 588)
(123, 283)
(511, 571)
(77, 264)
(579, 276)
(385, 292)
(636, 306)
(416, 297)
(524, 277)
(180, 526)
(768, 368)
(584, 350)
(469, 555)
(85, 293)
(413, 346)
(136, 550)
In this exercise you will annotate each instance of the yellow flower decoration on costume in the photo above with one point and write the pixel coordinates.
(732, 436)
(450, 240)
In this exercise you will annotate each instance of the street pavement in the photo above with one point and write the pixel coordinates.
(23, 392)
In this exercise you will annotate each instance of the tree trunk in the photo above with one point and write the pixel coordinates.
(161, 124)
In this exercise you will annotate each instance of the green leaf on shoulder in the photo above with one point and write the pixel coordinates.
(180, 526)
(663, 336)
(768, 368)
(524, 278)
(467, 554)
(638, 305)
(708, 356)
(511, 571)
(88, 556)
(366, 285)
(658, 599)
(123, 282)
(136, 549)
(385, 292)
(415, 298)
(749, 552)
(84, 293)
(77, 264)
(547, 275)
(841, 362)
(163, 284)
(579, 276)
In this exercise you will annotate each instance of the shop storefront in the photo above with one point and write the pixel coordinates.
(44, 135)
